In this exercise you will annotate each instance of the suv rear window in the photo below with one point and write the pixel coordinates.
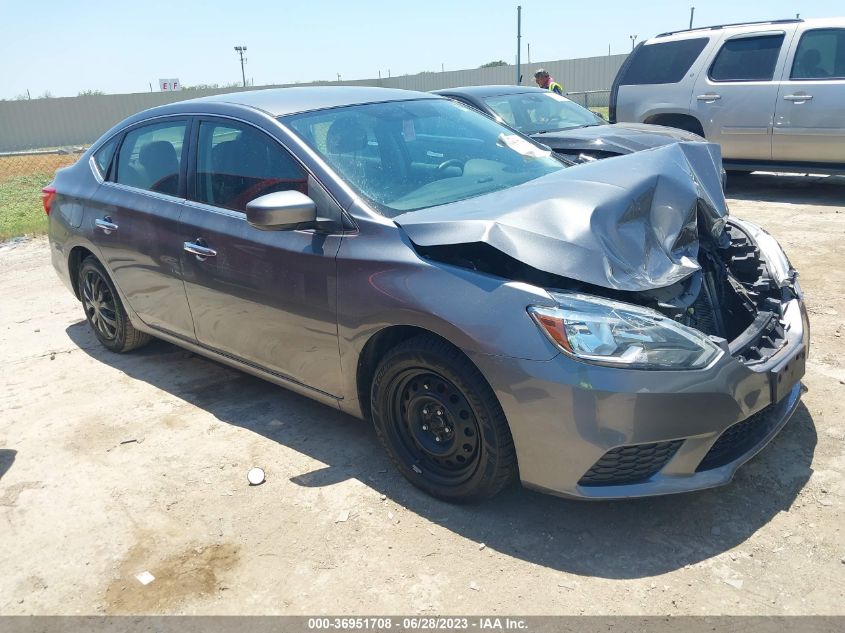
(820, 55)
(663, 63)
(747, 59)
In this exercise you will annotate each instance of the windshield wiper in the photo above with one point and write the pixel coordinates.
(565, 129)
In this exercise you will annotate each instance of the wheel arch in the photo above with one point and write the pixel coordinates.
(677, 120)
(75, 258)
(379, 344)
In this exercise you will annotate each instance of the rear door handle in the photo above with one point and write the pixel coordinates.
(105, 225)
(709, 97)
(200, 250)
(798, 98)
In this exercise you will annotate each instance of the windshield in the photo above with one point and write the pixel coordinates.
(534, 112)
(408, 155)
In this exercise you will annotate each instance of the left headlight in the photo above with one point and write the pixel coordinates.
(619, 334)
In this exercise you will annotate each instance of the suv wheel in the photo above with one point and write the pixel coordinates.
(104, 311)
(441, 422)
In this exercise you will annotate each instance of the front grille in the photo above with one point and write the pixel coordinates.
(630, 464)
(739, 439)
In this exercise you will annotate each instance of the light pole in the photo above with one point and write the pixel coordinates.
(518, 45)
(241, 50)
(691, 14)
(633, 41)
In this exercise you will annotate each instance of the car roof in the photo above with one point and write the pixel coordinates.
(282, 101)
(480, 92)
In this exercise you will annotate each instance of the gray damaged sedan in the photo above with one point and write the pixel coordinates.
(604, 330)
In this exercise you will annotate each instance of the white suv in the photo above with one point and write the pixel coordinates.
(772, 94)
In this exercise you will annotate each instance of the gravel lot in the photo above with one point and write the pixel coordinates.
(115, 465)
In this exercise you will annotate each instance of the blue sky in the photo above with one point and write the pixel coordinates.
(72, 45)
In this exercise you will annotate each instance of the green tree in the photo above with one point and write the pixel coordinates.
(494, 64)
(90, 93)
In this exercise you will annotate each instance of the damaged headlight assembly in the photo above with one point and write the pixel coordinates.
(779, 266)
(606, 332)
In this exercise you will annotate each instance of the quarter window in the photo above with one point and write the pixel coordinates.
(150, 157)
(663, 63)
(820, 55)
(236, 164)
(104, 155)
(747, 59)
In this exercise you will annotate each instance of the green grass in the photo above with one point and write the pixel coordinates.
(21, 211)
(605, 111)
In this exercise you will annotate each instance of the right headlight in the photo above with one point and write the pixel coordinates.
(620, 334)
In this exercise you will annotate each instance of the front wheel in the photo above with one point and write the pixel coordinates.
(104, 310)
(441, 422)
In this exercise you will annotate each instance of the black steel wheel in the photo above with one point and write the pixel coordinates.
(441, 422)
(104, 310)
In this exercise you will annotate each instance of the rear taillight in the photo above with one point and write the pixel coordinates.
(48, 194)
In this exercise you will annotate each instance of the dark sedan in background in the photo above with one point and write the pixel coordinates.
(571, 130)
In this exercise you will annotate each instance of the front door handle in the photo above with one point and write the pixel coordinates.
(797, 98)
(709, 98)
(200, 250)
(105, 225)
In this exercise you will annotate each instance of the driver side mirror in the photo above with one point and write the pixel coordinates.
(282, 211)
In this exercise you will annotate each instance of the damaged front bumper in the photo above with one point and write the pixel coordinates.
(587, 431)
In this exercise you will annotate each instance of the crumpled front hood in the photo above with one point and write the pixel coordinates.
(621, 138)
(630, 223)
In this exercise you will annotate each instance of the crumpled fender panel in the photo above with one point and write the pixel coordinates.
(627, 223)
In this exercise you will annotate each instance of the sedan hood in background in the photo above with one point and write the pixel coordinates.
(629, 223)
(618, 138)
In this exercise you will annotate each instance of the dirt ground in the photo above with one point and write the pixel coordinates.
(115, 465)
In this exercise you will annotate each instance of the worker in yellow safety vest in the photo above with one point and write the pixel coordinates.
(544, 80)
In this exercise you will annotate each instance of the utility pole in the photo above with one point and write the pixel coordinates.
(518, 43)
(633, 41)
(529, 53)
(691, 14)
(338, 76)
(241, 50)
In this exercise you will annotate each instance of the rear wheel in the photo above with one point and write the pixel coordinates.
(104, 310)
(441, 422)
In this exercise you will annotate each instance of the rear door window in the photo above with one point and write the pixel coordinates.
(237, 163)
(150, 157)
(820, 55)
(747, 59)
(663, 63)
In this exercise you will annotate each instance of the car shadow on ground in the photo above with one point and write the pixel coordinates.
(628, 539)
(7, 458)
(789, 188)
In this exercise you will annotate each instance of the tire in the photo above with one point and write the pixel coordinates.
(440, 421)
(104, 310)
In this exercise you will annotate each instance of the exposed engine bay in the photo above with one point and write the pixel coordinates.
(733, 297)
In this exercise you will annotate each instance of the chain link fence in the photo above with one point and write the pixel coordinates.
(22, 176)
(596, 100)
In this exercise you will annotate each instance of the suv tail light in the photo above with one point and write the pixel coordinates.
(48, 194)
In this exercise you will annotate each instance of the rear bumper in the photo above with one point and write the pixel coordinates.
(675, 431)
